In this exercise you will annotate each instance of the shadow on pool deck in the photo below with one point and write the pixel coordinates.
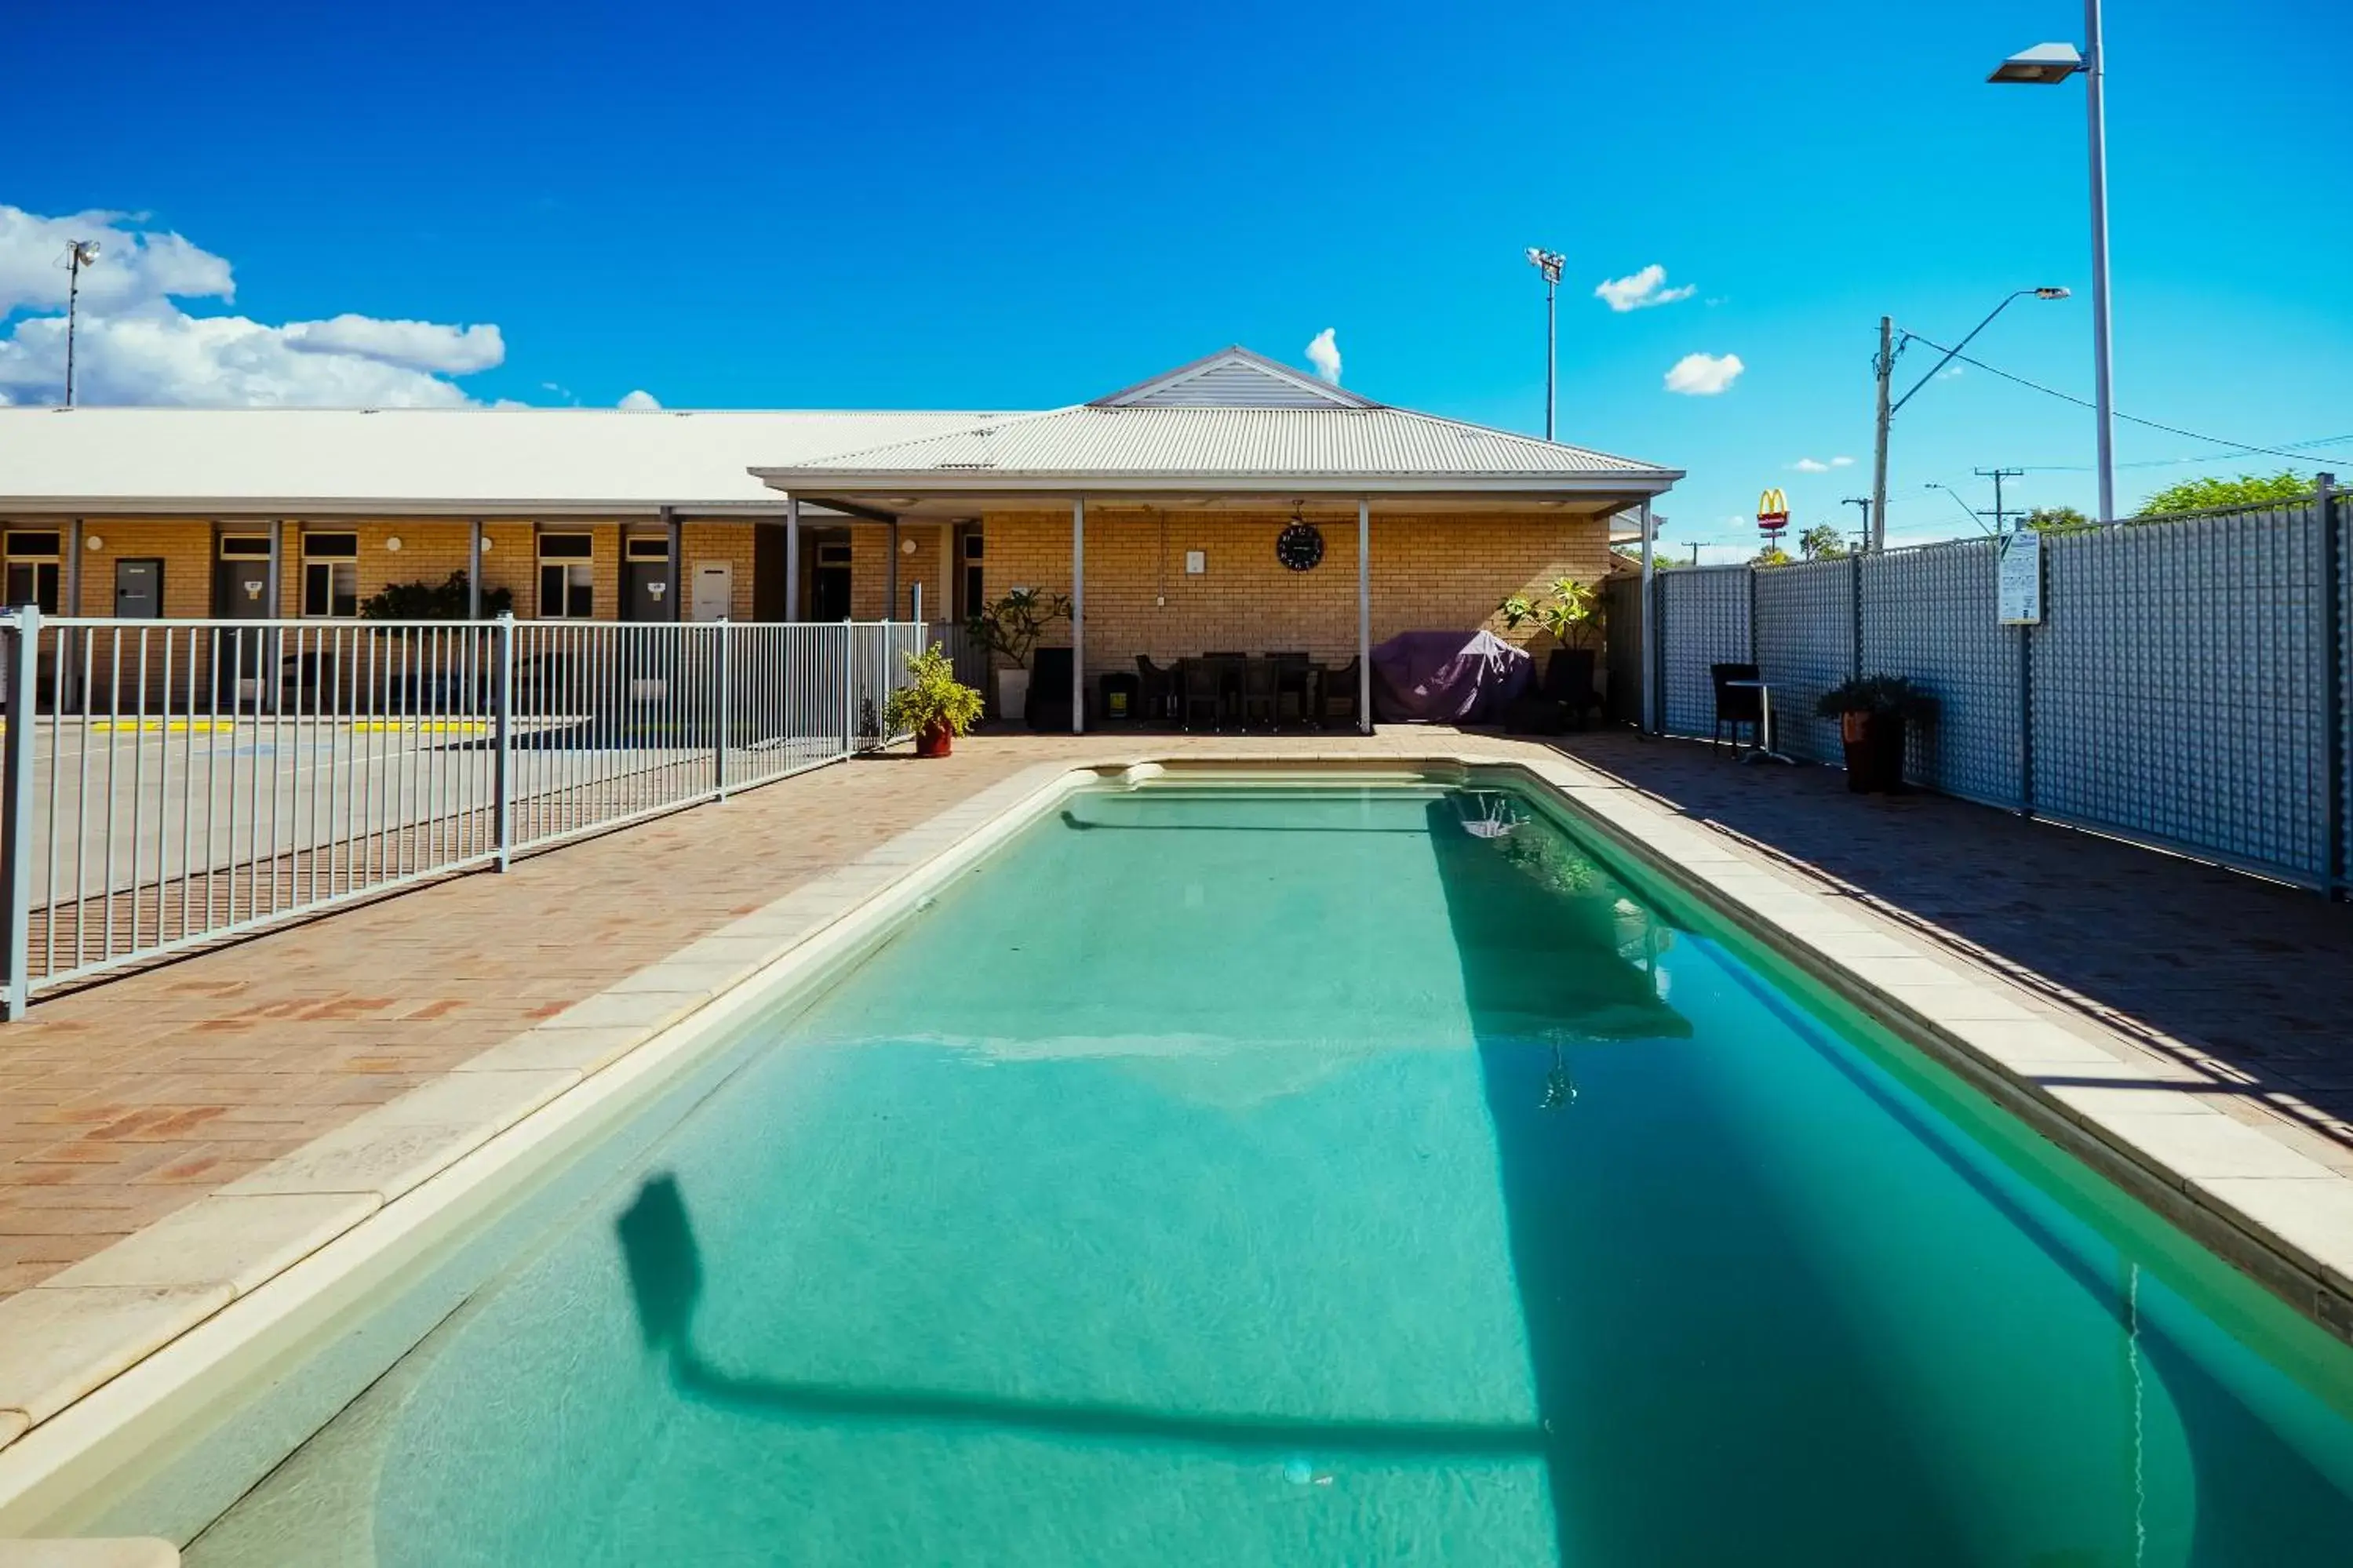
(2240, 978)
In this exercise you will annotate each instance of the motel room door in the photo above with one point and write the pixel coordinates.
(240, 592)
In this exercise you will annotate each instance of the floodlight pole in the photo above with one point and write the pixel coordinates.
(2095, 72)
(74, 254)
(1549, 263)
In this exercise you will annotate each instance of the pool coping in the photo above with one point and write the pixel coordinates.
(86, 1353)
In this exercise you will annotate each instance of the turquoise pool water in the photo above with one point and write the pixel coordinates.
(1232, 1175)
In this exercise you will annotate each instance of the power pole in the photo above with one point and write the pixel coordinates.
(1884, 365)
(1863, 534)
(1996, 476)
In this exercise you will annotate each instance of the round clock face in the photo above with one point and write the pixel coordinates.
(1300, 546)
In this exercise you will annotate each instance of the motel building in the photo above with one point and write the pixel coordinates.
(1231, 503)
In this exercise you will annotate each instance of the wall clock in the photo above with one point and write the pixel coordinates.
(1300, 546)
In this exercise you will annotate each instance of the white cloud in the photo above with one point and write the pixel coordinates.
(640, 398)
(134, 344)
(421, 345)
(1638, 290)
(1816, 466)
(1324, 354)
(1704, 375)
(1842, 462)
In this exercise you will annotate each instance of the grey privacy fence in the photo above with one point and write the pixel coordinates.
(169, 783)
(2190, 684)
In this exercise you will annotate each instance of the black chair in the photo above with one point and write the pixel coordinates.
(1261, 699)
(1159, 703)
(1050, 689)
(1196, 693)
(1565, 696)
(1337, 694)
(1293, 686)
(1737, 705)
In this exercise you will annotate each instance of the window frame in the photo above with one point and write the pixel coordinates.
(330, 575)
(574, 594)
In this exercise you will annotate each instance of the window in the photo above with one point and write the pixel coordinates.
(567, 576)
(244, 547)
(974, 597)
(331, 574)
(649, 547)
(33, 569)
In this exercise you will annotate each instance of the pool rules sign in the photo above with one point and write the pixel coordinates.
(2020, 578)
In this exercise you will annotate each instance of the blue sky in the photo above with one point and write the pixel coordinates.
(785, 205)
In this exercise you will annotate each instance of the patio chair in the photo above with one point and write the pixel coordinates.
(1261, 697)
(1737, 705)
(1158, 703)
(1566, 697)
(1337, 693)
(1196, 693)
(1293, 686)
(1050, 689)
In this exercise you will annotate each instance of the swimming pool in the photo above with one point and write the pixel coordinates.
(1334, 1173)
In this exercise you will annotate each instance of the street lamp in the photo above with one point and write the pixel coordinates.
(2048, 64)
(79, 253)
(1549, 263)
(1886, 366)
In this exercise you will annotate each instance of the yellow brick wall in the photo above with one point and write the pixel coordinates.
(1431, 571)
(729, 541)
(869, 569)
(183, 546)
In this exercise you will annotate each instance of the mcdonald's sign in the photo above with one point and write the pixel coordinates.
(1772, 512)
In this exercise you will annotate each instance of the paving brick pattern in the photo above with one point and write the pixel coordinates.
(2248, 982)
(124, 1101)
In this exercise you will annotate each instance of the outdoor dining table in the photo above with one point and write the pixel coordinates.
(1762, 752)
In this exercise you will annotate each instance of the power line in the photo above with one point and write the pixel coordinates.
(2136, 419)
(2176, 462)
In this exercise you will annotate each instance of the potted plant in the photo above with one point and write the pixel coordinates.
(933, 705)
(1011, 628)
(1570, 611)
(1874, 712)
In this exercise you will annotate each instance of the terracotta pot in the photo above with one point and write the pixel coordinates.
(934, 741)
(1875, 752)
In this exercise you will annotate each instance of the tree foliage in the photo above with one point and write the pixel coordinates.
(1822, 543)
(1772, 555)
(2058, 519)
(442, 601)
(1569, 611)
(2214, 493)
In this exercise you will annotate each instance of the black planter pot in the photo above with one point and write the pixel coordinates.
(1875, 752)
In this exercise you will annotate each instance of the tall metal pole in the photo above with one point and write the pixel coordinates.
(1885, 367)
(73, 301)
(1364, 614)
(1649, 631)
(2095, 72)
(1552, 347)
(1078, 616)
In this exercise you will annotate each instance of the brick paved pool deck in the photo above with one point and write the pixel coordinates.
(125, 1101)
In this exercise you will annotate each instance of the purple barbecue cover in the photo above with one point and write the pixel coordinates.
(1447, 678)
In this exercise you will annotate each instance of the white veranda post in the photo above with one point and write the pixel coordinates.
(1079, 616)
(1364, 617)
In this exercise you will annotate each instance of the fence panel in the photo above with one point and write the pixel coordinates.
(2179, 683)
(1703, 620)
(182, 781)
(1933, 615)
(1805, 646)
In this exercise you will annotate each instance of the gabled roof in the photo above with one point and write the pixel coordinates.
(1233, 378)
(1235, 418)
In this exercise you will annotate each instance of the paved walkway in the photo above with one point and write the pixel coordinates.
(127, 1101)
(2247, 982)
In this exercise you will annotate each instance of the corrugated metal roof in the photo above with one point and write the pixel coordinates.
(292, 461)
(1234, 378)
(1215, 443)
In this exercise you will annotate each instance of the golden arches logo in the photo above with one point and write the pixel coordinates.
(1773, 503)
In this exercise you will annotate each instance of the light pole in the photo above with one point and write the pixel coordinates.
(1549, 263)
(1885, 367)
(2048, 64)
(79, 253)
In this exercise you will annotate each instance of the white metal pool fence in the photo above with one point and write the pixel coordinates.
(169, 783)
(2186, 687)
